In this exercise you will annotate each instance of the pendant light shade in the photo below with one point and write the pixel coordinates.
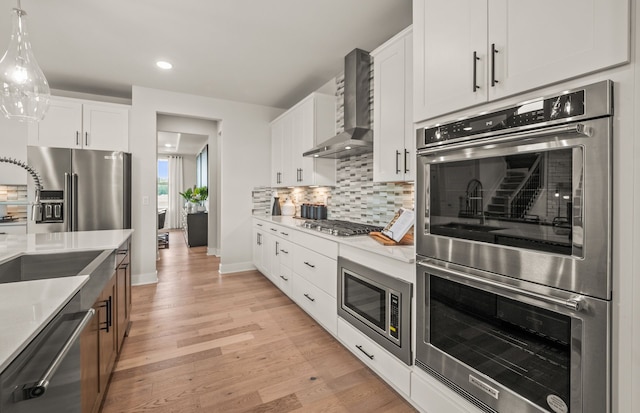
(24, 93)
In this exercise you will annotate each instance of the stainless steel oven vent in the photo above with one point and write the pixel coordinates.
(357, 137)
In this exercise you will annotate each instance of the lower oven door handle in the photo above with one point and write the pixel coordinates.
(37, 389)
(575, 303)
(579, 128)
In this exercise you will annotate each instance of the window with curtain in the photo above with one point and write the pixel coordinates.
(163, 183)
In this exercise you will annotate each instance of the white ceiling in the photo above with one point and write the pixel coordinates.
(268, 52)
(171, 143)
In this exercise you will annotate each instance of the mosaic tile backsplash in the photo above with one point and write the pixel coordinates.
(11, 193)
(354, 198)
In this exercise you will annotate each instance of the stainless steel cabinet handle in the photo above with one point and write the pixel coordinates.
(86, 139)
(77, 138)
(309, 297)
(277, 248)
(284, 251)
(494, 52)
(359, 347)
(259, 225)
(39, 388)
(286, 234)
(397, 157)
(406, 170)
(310, 265)
(475, 71)
(273, 229)
(284, 278)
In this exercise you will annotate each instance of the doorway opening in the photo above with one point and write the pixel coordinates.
(187, 162)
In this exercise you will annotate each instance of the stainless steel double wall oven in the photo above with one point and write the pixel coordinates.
(513, 238)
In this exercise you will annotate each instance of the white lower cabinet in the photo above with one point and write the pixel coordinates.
(317, 303)
(316, 269)
(379, 360)
(434, 397)
(285, 280)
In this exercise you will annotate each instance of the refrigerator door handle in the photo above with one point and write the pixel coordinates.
(74, 202)
(68, 199)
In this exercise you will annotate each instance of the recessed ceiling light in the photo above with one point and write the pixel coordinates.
(168, 145)
(164, 65)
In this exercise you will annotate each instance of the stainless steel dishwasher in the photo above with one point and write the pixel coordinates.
(45, 376)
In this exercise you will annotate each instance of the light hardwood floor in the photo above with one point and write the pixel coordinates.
(205, 342)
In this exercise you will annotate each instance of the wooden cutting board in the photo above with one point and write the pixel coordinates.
(384, 240)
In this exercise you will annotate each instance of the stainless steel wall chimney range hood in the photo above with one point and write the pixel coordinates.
(357, 137)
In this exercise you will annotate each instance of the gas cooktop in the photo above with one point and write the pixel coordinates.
(340, 228)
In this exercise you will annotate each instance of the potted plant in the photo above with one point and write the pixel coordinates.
(200, 195)
(188, 197)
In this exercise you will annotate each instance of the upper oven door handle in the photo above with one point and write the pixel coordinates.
(575, 303)
(578, 128)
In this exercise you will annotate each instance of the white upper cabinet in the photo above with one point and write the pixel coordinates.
(308, 123)
(468, 51)
(277, 140)
(13, 144)
(394, 141)
(450, 43)
(80, 124)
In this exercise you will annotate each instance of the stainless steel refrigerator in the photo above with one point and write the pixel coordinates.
(83, 190)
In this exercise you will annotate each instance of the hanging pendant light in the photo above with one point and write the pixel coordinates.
(24, 91)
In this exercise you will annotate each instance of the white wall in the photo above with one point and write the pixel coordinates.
(245, 163)
(189, 170)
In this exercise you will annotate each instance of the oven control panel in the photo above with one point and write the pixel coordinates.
(394, 313)
(565, 106)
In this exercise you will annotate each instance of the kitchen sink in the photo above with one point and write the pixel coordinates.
(29, 267)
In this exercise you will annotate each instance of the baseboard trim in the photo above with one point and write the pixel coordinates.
(213, 251)
(239, 267)
(142, 279)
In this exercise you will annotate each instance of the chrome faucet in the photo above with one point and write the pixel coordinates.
(36, 209)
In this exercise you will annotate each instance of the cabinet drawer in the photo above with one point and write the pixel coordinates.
(320, 245)
(433, 396)
(386, 365)
(285, 232)
(285, 280)
(317, 269)
(280, 231)
(316, 303)
(285, 252)
(259, 224)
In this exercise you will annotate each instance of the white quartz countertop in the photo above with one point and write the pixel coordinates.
(12, 245)
(404, 253)
(26, 307)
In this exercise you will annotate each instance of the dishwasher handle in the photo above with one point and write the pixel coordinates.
(39, 388)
